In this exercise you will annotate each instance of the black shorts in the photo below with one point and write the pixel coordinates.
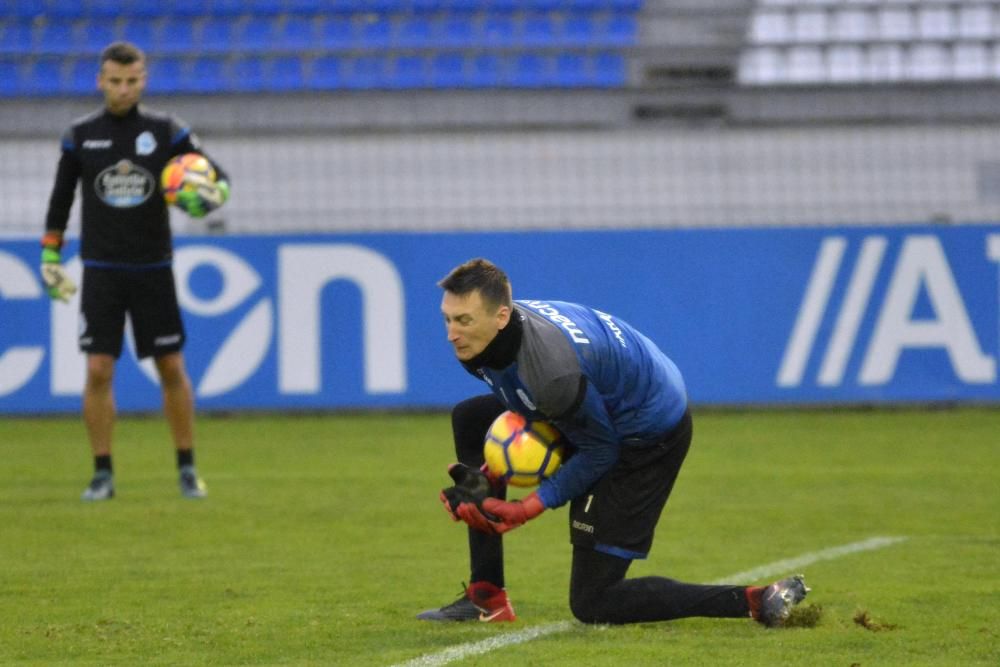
(619, 514)
(148, 296)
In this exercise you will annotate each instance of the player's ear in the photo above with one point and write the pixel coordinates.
(503, 316)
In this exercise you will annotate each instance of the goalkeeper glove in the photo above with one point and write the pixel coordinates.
(57, 281)
(471, 486)
(496, 517)
(207, 197)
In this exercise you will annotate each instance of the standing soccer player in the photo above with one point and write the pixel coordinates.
(621, 405)
(117, 154)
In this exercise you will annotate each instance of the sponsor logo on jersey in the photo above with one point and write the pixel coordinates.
(145, 143)
(124, 185)
(585, 527)
(523, 395)
(615, 329)
(96, 144)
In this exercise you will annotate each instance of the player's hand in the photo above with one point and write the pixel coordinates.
(496, 517)
(471, 486)
(57, 281)
(207, 197)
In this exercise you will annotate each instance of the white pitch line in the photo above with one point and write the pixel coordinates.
(462, 651)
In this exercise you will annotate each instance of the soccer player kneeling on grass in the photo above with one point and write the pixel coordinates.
(621, 405)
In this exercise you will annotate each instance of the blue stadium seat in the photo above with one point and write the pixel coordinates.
(486, 71)
(415, 31)
(621, 30)
(311, 7)
(257, 34)
(95, 34)
(56, 37)
(54, 9)
(103, 9)
(165, 75)
(216, 35)
(497, 30)
(25, 9)
(458, 30)
(609, 70)
(141, 32)
(10, 79)
(184, 8)
(448, 70)
(538, 30)
(43, 77)
(286, 73)
(367, 72)
(83, 77)
(297, 34)
(227, 8)
(248, 75)
(176, 35)
(531, 70)
(16, 37)
(336, 32)
(579, 30)
(147, 8)
(326, 73)
(571, 70)
(410, 72)
(263, 7)
(375, 31)
(207, 75)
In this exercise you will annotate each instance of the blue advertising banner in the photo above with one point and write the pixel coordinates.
(763, 316)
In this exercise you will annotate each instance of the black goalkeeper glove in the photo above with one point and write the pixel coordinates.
(471, 486)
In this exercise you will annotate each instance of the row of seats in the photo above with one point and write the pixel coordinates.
(297, 33)
(53, 76)
(877, 21)
(115, 8)
(873, 63)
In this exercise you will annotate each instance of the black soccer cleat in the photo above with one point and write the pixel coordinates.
(101, 487)
(482, 601)
(778, 599)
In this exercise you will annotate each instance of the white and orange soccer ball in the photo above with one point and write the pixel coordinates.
(522, 453)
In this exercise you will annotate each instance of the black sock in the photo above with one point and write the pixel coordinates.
(185, 457)
(102, 463)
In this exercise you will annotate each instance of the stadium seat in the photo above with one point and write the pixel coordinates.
(184, 8)
(103, 9)
(56, 37)
(609, 70)
(256, 34)
(216, 35)
(95, 34)
(83, 77)
(141, 32)
(309, 7)
(227, 8)
(457, 30)
(621, 30)
(571, 70)
(176, 36)
(326, 73)
(578, 30)
(538, 30)
(10, 79)
(248, 75)
(166, 75)
(16, 37)
(448, 70)
(53, 9)
(25, 9)
(207, 75)
(375, 31)
(497, 30)
(531, 70)
(43, 77)
(410, 72)
(366, 72)
(263, 7)
(336, 32)
(415, 32)
(486, 71)
(147, 8)
(285, 73)
(296, 34)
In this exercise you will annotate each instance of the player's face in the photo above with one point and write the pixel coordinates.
(122, 85)
(471, 325)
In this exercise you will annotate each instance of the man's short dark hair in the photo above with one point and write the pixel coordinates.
(123, 53)
(483, 275)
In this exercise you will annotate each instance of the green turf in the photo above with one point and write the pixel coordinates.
(322, 536)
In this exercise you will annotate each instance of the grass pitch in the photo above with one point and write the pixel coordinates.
(322, 536)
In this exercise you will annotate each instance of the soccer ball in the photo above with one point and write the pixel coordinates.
(185, 172)
(521, 452)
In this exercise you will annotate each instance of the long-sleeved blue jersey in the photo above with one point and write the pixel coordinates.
(603, 384)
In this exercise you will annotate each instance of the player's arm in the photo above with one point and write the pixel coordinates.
(57, 281)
